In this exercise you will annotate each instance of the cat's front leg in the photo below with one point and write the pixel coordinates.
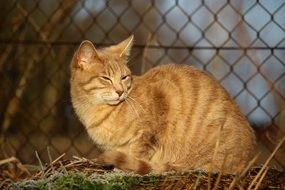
(143, 145)
(124, 161)
(135, 155)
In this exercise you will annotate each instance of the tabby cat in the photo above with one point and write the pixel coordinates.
(174, 117)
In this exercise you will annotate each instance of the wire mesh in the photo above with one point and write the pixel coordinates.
(241, 43)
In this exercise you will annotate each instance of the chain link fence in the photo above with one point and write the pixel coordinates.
(240, 42)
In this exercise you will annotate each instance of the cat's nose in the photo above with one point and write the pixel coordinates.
(119, 92)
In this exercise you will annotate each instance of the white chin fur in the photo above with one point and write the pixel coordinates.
(113, 102)
(116, 101)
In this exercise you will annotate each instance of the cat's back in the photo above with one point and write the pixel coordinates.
(180, 79)
(170, 71)
(178, 74)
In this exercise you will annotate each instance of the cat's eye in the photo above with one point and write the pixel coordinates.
(106, 78)
(125, 77)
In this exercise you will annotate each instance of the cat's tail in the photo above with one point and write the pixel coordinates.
(128, 163)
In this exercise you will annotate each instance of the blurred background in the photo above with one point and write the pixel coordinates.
(239, 42)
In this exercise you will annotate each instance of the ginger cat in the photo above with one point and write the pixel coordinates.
(174, 117)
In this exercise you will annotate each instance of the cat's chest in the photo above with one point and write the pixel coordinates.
(109, 134)
(111, 126)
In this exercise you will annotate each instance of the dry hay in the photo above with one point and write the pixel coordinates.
(15, 175)
(82, 173)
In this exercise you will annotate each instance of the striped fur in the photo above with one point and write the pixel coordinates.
(174, 117)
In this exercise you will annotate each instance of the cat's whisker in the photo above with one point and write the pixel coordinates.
(137, 103)
(133, 108)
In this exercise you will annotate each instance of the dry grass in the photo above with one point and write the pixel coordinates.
(82, 173)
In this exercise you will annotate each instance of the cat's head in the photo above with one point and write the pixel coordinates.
(101, 75)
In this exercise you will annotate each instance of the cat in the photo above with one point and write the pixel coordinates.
(172, 118)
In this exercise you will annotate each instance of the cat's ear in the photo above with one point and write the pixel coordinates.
(123, 49)
(86, 54)
(126, 46)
